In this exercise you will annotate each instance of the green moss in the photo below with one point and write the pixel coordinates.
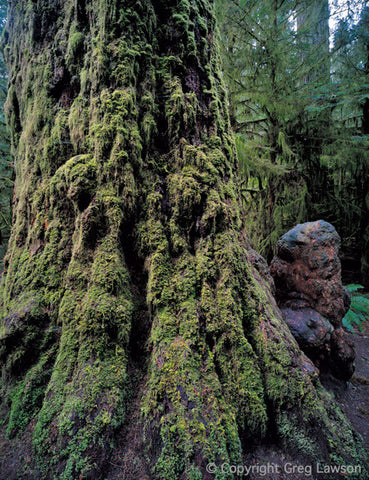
(295, 438)
(78, 122)
(27, 396)
(88, 397)
(75, 47)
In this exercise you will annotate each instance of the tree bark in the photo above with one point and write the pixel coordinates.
(134, 324)
(365, 130)
(313, 29)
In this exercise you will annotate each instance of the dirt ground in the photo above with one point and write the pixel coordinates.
(354, 399)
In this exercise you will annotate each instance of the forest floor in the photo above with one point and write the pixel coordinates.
(354, 398)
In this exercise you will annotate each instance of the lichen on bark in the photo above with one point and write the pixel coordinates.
(129, 258)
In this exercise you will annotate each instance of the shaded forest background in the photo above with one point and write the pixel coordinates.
(299, 101)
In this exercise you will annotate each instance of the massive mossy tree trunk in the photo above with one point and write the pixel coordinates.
(132, 317)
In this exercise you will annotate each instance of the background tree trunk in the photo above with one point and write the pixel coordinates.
(313, 28)
(365, 129)
(130, 304)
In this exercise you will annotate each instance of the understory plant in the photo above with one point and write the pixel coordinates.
(359, 309)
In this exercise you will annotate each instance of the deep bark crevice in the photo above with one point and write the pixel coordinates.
(128, 458)
(141, 322)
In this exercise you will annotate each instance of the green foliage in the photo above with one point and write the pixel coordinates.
(273, 70)
(359, 309)
(301, 115)
(274, 194)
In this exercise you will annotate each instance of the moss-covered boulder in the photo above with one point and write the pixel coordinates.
(307, 274)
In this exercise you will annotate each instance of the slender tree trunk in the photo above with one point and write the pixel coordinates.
(313, 35)
(364, 188)
(364, 227)
(133, 321)
(313, 30)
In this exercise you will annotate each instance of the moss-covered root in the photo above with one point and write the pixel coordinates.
(225, 372)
